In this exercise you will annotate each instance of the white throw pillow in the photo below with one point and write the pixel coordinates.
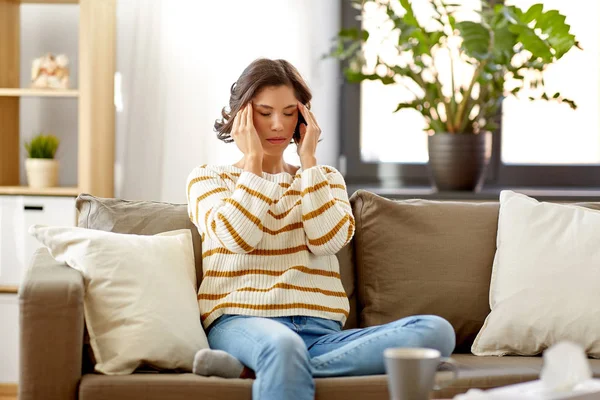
(140, 295)
(545, 284)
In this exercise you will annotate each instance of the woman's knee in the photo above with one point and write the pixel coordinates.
(287, 348)
(440, 334)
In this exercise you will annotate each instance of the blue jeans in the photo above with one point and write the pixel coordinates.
(287, 352)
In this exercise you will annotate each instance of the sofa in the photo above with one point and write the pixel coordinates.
(407, 257)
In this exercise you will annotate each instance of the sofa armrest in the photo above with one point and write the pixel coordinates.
(51, 329)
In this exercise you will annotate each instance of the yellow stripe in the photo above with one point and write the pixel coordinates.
(318, 211)
(343, 201)
(205, 195)
(288, 193)
(276, 307)
(314, 188)
(256, 271)
(337, 186)
(244, 211)
(287, 228)
(216, 250)
(350, 230)
(286, 286)
(292, 193)
(258, 252)
(236, 236)
(328, 170)
(196, 180)
(285, 213)
(256, 194)
(329, 235)
(206, 220)
(225, 176)
(284, 185)
(213, 226)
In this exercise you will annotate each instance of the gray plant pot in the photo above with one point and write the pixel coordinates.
(458, 161)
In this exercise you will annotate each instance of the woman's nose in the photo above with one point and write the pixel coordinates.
(276, 124)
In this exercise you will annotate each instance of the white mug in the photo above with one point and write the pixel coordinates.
(411, 372)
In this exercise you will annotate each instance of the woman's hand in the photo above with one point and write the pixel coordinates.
(244, 133)
(246, 138)
(309, 137)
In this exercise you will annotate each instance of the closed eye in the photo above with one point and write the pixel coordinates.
(266, 115)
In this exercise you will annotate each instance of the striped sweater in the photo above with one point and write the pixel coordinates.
(269, 243)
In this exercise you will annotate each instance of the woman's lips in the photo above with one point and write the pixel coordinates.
(277, 140)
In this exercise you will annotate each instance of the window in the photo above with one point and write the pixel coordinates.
(549, 133)
(538, 144)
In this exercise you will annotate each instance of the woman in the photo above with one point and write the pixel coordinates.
(271, 295)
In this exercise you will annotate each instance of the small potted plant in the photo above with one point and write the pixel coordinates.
(40, 165)
(507, 49)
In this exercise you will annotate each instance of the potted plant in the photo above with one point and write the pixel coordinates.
(506, 48)
(40, 165)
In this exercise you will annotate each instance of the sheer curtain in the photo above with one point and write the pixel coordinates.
(176, 62)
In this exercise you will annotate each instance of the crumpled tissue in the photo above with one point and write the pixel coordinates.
(566, 374)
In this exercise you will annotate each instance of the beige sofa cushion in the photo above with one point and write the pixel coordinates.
(137, 217)
(474, 372)
(544, 285)
(149, 279)
(424, 257)
(150, 218)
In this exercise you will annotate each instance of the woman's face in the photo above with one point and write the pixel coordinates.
(275, 117)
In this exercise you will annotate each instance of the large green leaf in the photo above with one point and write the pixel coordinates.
(553, 24)
(532, 42)
(476, 39)
(533, 13)
(416, 104)
(504, 44)
(356, 77)
(409, 17)
(412, 35)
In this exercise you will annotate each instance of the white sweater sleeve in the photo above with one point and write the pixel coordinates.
(326, 213)
(233, 217)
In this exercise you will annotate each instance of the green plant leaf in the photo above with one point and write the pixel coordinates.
(553, 24)
(409, 17)
(571, 103)
(356, 77)
(533, 13)
(504, 44)
(413, 104)
(42, 146)
(476, 39)
(532, 42)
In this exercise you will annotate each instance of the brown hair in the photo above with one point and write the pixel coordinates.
(258, 75)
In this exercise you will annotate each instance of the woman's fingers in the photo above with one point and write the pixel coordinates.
(243, 118)
(236, 122)
(302, 110)
(310, 117)
(249, 121)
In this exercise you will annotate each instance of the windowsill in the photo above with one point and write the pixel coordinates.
(485, 194)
